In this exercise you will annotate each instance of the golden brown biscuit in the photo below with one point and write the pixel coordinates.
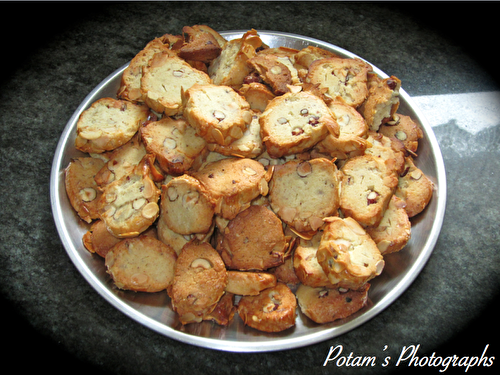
(306, 56)
(414, 188)
(366, 189)
(394, 231)
(186, 206)
(233, 183)
(348, 255)
(200, 44)
(199, 282)
(324, 305)
(249, 283)
(141, 264)
(273, 310)
(253, 240)
(405, 129)
(224, 311)
(108, 124)
(344, 79)
(175, 144)
(257, 95)
(98, 240)
(129, 205)
(273, 72)
(389, 150)
(218, 113)
(294, 122)
(163, 80)
(302, 193)
(81, 187)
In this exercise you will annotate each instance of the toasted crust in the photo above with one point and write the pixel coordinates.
(141, 264)
(174, 143)
(164, 79)
(273, 310)
(294, 122)
(81, 187)
(302, 193)
(344, 79)
(348, 255)
(324, 305)
(199, 282)
(108, 124)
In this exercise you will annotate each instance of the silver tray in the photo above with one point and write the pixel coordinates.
(154, 310)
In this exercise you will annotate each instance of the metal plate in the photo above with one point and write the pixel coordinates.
(154, 310)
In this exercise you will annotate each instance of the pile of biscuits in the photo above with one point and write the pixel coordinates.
(247, 180)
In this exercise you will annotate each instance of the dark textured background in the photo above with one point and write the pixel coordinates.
(56, 53)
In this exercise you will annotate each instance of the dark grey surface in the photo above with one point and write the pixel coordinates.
(64, 50)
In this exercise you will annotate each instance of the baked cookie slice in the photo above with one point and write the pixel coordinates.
(249, 283)
(230, 68)
(302, 193)
(224, 311)
(294, 122)
(353, 132)
(109, 123)
(382, 102)
(402, 127)
(325, 305)
(218, 113)
(414, 188)
(273, 310)
(129, 205)
(121, 161)
(253, 240)
(141, 264)
(233, 183)
(130, 84)
(273, 72)
(390, 150)
(199, 282)
(344, 79)
(305, 263)
(366, 189)
(176, 145)
(257, 95)
(81, 188)
(394, 231)
(186, 206)
(200, 44)
(248, 146)
(164, 79)
(98, 240)
(306, 56)
(348, 255)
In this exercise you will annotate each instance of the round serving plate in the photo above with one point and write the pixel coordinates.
(154, 309)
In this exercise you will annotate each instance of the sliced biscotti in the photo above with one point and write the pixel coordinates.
(253, 240)
(141, 264)
(352, 134)
(366, 189)
(199, 282)
(81, 188)
(257, 95)
(273, 72)
(230, 68)
(394, 231)
(402, 127)
(382, 102)
(348, 255)
(324, 305)
(249, 283)
(163, 80)
(302, 193)
(344, 79)
(129, 205)
(175, 144)
(272, 310)
(414, 188)
(200, 43)
(186, 206)
(233, 183)
(108, 124)
(218, 113)
(121, 161)
(294, 122)
(130, 84)
(390, 150)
